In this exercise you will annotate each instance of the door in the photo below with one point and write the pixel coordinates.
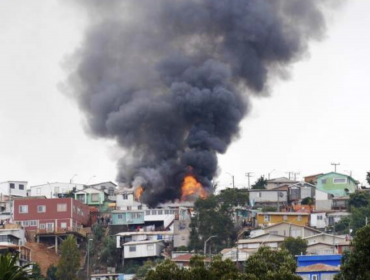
(50, 227)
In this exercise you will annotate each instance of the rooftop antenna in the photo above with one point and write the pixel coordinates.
(335, 166)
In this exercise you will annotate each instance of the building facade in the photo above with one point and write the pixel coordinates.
(272, 218)
(336, 184)
(14, 188)
(54, 190)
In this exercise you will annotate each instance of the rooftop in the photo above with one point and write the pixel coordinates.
(142, 242)
(317, 267)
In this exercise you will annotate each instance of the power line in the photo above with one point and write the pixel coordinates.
(249, 175)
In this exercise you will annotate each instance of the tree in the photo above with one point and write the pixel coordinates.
(36, 272)
(168, 270)
(51, 272)
(358, 218)
(295, 246)
(261, 183)
(267, 264)
(359, 199)
(307, 201)
(368, 177)
(342, 227)
(9, 270)
(109, 254)
(356, 264)
(69, 261)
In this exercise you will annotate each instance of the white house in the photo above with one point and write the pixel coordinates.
(143, 249)
(53, 190)
(268, 197)
(10, 236)
(318, 220)
(14, 188)
(125, 200)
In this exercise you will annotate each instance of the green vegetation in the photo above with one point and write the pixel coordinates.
(36, 272)
(295, 246)
(9, 270)
(69, 261)
(308, 201)
(214, 218)
(356, 264)
(260, 184)
(269, 209)
(51, 273)
(109, 255)
(359, 199)
(264, 265)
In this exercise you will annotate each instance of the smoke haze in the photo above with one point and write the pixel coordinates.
(170, 80)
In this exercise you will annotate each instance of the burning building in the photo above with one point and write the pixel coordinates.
(170, 81)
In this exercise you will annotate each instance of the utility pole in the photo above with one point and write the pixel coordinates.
(232, 178)
(205, 244)
(289, 173)
(295, 175)
(335, 166)
(249, 175)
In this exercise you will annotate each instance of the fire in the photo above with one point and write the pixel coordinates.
(191, 187)
(138, 192)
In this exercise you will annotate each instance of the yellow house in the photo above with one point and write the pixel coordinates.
(272, 218)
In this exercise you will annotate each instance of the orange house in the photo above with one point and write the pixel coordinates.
(272, 218)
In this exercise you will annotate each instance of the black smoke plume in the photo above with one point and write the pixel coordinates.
(170, 80)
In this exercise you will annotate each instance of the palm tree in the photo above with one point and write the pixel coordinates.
(9, 270)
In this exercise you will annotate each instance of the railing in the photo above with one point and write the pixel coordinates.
(62, 230)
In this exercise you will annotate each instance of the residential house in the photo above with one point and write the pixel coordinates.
(14, 188)
(323, 244)
(325, 219)
(126, 200)
(93, 197)
(23, 252)
(336, 184)
(312, 179)
(142, 235)
(112, 276)
(318, 267)
(278, 182)
(54, 190)
(272, 218)
(286, 229)
(12, 234)
(251, 245)
(50, 215)
(128, 217)
(300, 191)
(237, 255)
(143, 249)
(318, 272)
(320, 248)
(183, 260)
(344, 246)
(263, 198)
(341, 203)
(5, 208)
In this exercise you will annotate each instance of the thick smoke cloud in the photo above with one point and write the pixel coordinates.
(170, 80)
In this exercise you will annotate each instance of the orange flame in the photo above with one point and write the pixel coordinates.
(191, 187)
(138, 192)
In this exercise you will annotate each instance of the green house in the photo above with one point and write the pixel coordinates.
(336, 184)
(122, 217)
(92, 197)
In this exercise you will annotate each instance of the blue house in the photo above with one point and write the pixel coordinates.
(318, 267)
(127, 217)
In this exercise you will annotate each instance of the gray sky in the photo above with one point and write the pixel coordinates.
(320, 115)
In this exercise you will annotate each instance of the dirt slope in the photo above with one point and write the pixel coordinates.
(42, 255)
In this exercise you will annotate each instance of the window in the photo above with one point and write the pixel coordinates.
(319, 218)
(41, 208)
(315, 277)
(25, 223)
(42, 226)
(129, 207)
(166, 212)
(299, 218)
(340, 180)
(160, 212)
(23, 208)
(56, 189)
(12, 185)
(323, 181)
(95, 197)
(38, 191)
(267, 218)
(125, 196)
(285, 217)
(63, 225)
(111, 192)
(62, 207)
(150, 247)
(154, 212)
(259, 194)
(120, 216)
(132, 248)
(139, 207)
(147, 212)
(33, 223)
(21, 187)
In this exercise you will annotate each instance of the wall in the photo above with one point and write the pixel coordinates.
(318, 222)
(142, 250)
(127, 217)
(278, 218)
(320, 249)
(267, 196)
(17, 191)
(51, 190)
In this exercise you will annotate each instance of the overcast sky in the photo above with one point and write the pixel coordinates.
(320, 115)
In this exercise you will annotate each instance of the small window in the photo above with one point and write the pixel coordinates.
(125, 196)
(62, 207)
(147, 212)
(95, 197)
(129, 207)
(323, 181)
(21, 187)
(38, 191)
(150, 247)
(154, 212)
(166, 212)
(285, 217)
(23, 209)
(139, 207)
(299, 218)
(63, 225)
(259, 194)
(41, 208)
(111, 192)
(160, 212)
(267, 218)
(132, 248)
(25, 223)
(42, 226)
(33, 223)
(120, 216)
(315, 277)
(12, 185)
(340, 180)
(319, 218)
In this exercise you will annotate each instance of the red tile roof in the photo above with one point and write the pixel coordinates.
(317, 267)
